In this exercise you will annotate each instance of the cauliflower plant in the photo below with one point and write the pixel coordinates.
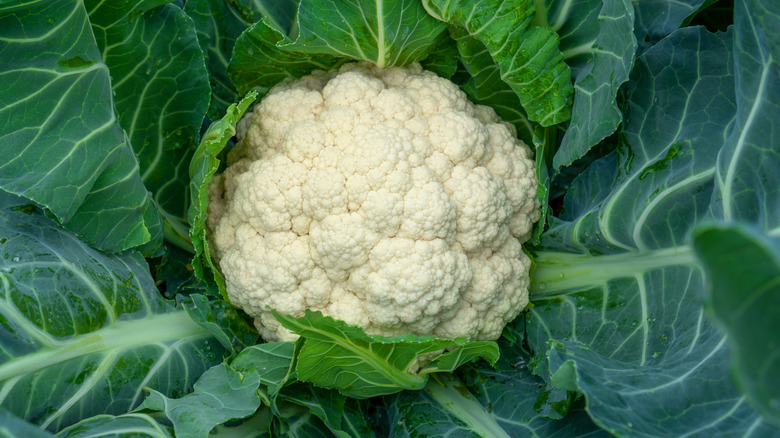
(381, 197)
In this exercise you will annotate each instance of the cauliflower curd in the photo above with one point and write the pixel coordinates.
(381, 197)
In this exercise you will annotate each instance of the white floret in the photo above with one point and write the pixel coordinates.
(428, 211)
(461, 138)
(272, 119)
(340, 243)
(381, 197)
(324, 193)
(305, 141)
(352, 88)
(482, 206)
(411, 283)
(273, 190)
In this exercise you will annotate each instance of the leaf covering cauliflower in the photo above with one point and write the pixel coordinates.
(381, 197)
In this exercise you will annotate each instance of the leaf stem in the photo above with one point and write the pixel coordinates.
(540, 16)
(122, 335)
(176, 233)
(558, 272)
(454, 397)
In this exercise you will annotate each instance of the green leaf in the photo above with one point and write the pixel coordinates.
(202, 167)
(747, 190)
(384, 33)
(527, 56)
(340, 356)
(221, 320)
(220, 394)
(161, 95)
(63, 146)
(14, 202)
(258, 64)
(470, 352)
(81, 332)
(485, 86)
(279, 14)
(298, 421)
(272, 362)
(256, 426)
(442, 57)
(450, 393)
(658, 18)
(325, 404)
(173, 272)
(599, 45)
(481, 402)
(555, 403)
(218, 24)
(743, 268)
(356, 421)
(14, 427)
(748, 183)
(122, 426)
(154, 224)
(544, 139)
(616, 290)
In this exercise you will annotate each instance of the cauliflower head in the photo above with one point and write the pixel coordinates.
(381, 197)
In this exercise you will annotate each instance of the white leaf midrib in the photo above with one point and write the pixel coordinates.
(380, 38)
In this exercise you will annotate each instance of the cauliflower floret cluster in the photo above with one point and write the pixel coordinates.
(381, 197)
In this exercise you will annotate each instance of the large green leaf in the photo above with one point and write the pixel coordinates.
(82, 332)
(63, 146)
(385, 33)
(743, 268)
(598, 43)
(617, 286)
(527, 56)
(337, 355)
(161, 89)
(747, 178)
